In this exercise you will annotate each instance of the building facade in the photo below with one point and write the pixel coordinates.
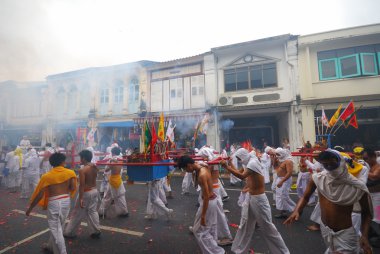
(262, 91)
(334, 68)
(256, 92)
(23, 112)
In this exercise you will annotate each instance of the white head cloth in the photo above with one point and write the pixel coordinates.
(268, 149)
(206, 152)
(33, 153)
(249, 160)
(339, 186)
(284, 154)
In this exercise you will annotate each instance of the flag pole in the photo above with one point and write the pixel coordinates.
(322, 126)
(318, 126)
(356, 110)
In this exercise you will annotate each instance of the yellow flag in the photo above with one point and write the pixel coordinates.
(335, 117)
(161, 130)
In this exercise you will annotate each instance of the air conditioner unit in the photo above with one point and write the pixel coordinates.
(225, 100)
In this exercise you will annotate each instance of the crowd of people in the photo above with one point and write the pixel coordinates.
(343, 186)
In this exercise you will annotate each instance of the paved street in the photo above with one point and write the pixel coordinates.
(20, 234)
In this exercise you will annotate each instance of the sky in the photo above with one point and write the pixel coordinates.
(44, 37)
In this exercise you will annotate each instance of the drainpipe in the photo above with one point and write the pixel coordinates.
(216, 114)
(294, 106)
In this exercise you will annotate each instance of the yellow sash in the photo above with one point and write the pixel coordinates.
(357, 166)
(115, 181)
(56, 175)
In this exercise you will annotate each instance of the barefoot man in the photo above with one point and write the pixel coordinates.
(206, 217)
(256, 207)
(86, 204)
(115, 189)
(283, 183)
(53, 193)
(338, 192)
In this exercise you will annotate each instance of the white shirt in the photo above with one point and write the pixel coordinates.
(32, 166)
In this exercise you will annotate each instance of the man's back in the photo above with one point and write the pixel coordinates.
(90, 172)
(61, 188)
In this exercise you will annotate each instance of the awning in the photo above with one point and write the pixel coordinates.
(117, 124)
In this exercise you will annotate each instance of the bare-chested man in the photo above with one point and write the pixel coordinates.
(53, 193)
(224, 234)
(87, 202)
(206, 217)
(284, 172)
(338, 192)
(256, 208)
(115, 189)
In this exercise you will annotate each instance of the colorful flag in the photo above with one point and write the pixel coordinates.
(147, 136)
(204, 125)
(161, 130)
(335, 117)
(197, 129)
(325, 121)
(170, 131)
(351, 120)
(154, 135)
(349, 110)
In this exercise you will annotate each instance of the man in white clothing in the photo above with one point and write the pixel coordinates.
(86, 204)
(266, 161)
(156, 205)
(224, 234)
(115, 190)
(206, 217)
(31, 174)
(338, 192)
(15, 165)
(8, 161)
(284, 182)
(256, 211)
(53, 193)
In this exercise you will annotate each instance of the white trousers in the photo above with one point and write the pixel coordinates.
(58, 210)
(258, 215)
(206, 236)
(316, 214)
(343, 241)
(222, 191)
(223, 231)
(302, 182)
(274, 186)
(166, 185)
(29, 183)
(357, 222)
(13, 179)
(162, 190)
(90, 212)
(118, 196)
(266, 175)
(155, 205)
(187, 180)
(376, 206)
(283, 201)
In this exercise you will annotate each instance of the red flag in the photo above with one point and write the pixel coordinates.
(353, 122)
(347, 111)
(154, 135)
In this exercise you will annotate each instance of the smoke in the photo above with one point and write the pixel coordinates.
(226, 125)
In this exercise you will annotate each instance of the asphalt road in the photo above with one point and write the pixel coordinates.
(134, 234)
